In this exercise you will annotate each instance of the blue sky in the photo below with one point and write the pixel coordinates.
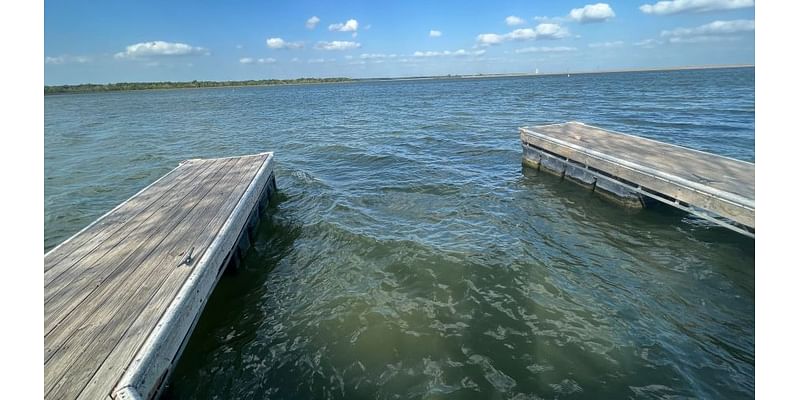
(114, 41)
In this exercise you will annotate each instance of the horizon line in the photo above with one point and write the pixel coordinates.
(473, 75)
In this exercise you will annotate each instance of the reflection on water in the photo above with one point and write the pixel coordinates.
(409, 254)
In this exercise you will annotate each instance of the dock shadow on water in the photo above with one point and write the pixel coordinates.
(409, 254)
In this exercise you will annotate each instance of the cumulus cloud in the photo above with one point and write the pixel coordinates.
(682, 6)
(542, 31)
(601, 45)
(592, 13)
(337, 45)
(160, 48)
(457, 53)
(350, 26)
(312, 22)
(434, 33)
(278, 43)
(246, 60)
(512, 20)
(67, 59)
(320, 60)
(712, 29)
(559, 49)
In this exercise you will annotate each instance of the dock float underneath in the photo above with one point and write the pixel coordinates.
(634, 171)
(122, 296)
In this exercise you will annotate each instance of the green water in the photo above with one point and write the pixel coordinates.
(409, 255)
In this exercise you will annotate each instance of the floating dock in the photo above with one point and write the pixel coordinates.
(634, 171)
(122, 296)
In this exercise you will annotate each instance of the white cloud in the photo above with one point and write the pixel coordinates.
(434, 33)
(295, 59)
(457, 53)
(375, 56)
(312, 22)
(320, 60)
(238, 46)
(542, 31)
(714, 28)
(551, 31)
(680, 6)
(592, 13)
(278, 43)
(248, 60)
(648, 43)
(560, 49)
(702, 39)
(67, 59)
(512, 20)
(617, 43)
(337, 45)
(350, 26)
(488, 39)
(160, 48)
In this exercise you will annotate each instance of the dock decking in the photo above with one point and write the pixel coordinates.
(632, 169)
(121, 297)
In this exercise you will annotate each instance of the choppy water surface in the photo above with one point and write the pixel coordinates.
(409, 255)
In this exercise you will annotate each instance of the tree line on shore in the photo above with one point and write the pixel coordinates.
(113, 87)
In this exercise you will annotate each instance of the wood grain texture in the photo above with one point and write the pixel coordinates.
(722, 185)
(109, 284)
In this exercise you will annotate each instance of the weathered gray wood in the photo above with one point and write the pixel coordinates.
(113, 317)
(65, 256)
(112, 368)
(152, 363)
(124, 249)
(106, 310)
(116, 216)
(721, 185)
(89, 313)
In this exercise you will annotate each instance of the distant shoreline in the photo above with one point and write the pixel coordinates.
(147, 86)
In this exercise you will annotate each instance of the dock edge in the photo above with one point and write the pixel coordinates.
(573, 164)
(150, 369)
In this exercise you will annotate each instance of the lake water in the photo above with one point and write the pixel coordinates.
(409, 255)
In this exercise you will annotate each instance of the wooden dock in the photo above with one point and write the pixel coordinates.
(634, 171)
(122, 296)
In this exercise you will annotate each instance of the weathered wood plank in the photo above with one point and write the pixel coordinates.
(64, 294)
(114, 289)
(116, 216)
(115, 279)
(148, 313)
(718, 184)
(113, 318)
(59, 260)
(152, 364)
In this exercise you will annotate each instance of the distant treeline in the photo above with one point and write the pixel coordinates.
(112, 87)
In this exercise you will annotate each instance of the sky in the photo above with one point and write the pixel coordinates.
(94, 41)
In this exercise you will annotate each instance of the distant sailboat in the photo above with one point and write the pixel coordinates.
(537, 71)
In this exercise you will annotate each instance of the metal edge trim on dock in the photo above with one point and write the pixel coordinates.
(114, 209)
(732, 198)
(152, 364)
